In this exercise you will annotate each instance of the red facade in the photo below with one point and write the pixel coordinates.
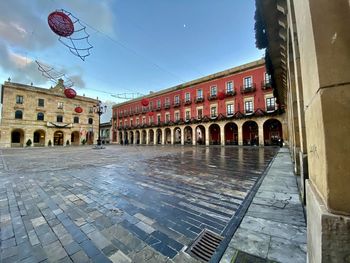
(258, 88)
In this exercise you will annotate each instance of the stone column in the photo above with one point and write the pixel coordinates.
(172, 136)
(240, 133)
(261, 133)
(147, 137)
(222, 134)
(207, 135)
(182, 135)
(163, 136)
(194, 136)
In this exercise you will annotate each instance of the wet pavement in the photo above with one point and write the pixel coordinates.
(120, 204)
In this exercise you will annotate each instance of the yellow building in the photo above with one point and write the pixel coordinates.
(45, 117)
(308, 56)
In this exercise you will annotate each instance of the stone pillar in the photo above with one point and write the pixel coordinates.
(207, 135)
(261, 133)
(172, 136)
(222, 134)
(155, 141)
(182, 135)
(163, 136)
(194, 136)
(240, 134)
(324, 37)
(147, 137)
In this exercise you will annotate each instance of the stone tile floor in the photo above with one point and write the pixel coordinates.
(120, 204)
(274, 228)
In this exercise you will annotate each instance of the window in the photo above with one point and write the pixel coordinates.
(200, 113)
(213, 91)
(131, 122)
(143, 120)
(151, 105)
(177, 99)
(267, 78)
(167, 117)
(41, 102)
(40, 116)
(248, 82)
(213, 111)
(60, 105)
(229, 109)
(137, 121)
(18, 114)
(19, 99)
(158, 119)
(91, 121)
(229, 86)
(158, 104)
(59, 118)
(137, 109)
(177, 116)
(187, 96)
(150, 120)
(187, 115)
(76, 119)
(199, 93)
(248, 106)
(270, 104)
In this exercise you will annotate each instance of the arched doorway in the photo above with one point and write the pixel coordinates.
(151, 136)
(272, 132)
(144, 137)
(200, 135)
(17, 138)
(177, 135)
(250, 133)
(214, 134)
(131, 137)
(159, 136)
(137, 135)
(120, 137)
(58, 138)
(188, 135)
(75, 138)
(167, 136)
(231, 133)
(39, 138)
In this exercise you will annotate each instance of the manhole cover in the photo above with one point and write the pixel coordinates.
(203, 248)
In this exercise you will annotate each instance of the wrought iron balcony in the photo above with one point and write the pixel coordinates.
(230, 93)
(167, 105)
(248, 88)
(158, 108)
(177, 104)
(212, 97)
(266, 85)
(199, 99)
(188, 102)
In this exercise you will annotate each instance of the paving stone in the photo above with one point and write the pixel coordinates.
(38, 221)
(11, 242)
(89, 248)
(100, 240)
(80, 257)
(72, 248)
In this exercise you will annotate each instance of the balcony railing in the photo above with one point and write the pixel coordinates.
(167, 105)
(199, 99)
(177, 104)
(158, 108)
(266, 85)
(230, 93)
(187, 102)
(248, 88)
(212, 96)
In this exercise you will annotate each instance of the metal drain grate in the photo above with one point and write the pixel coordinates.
(203, 248)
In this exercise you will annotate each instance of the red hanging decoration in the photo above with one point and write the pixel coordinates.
(78, 109)
(145, 102)
(61, 24)
(70, 93)
(151, 113)
(221, 95)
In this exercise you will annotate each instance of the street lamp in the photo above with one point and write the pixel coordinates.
(99, 109)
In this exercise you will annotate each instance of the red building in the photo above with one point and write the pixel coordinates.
(235, 106)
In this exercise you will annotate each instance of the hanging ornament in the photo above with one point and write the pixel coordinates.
(145, 102)
(151, 113)
(221, 95)
(70, 93)
(78, 109)
(61, 24)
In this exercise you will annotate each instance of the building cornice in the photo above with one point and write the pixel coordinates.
(49, 92)
(221, 74)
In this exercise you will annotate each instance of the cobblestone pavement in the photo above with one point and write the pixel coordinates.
(119, 204)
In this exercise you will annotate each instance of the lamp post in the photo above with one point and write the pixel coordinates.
(99, 109)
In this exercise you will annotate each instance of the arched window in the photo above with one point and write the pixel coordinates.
(76, 119)
(91, 120)
(40, 116)
(18, 114)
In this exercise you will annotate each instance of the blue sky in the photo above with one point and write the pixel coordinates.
(139, 45)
